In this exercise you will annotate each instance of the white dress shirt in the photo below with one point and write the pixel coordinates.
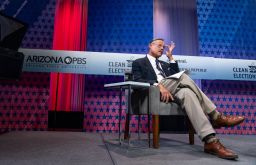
(152, 60)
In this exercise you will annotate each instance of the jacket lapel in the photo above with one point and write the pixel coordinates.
(164, 66)
(149, 67)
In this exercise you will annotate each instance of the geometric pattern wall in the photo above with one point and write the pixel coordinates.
(234, 98)
(227, 30)
(114, 26)
(120, 26)
(40, 33)
(101, 105)
(24, 103)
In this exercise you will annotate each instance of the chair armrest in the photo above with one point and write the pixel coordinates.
(139, 103)
(154, 97)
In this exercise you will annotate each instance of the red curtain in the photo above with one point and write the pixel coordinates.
(70, 29)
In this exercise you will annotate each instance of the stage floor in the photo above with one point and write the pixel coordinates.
(80, 148)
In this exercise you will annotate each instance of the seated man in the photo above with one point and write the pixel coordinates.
(184, 90)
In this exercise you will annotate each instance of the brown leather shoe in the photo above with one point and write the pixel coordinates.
(227, 121)
(216, 148)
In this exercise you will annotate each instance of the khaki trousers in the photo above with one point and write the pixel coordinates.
(196, 104)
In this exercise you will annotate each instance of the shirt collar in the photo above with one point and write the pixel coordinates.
(151, 57)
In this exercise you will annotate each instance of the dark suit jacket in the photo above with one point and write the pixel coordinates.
(143, 71)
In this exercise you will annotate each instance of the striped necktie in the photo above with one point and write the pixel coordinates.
(159, 68)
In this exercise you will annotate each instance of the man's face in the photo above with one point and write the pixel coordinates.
(156, 48)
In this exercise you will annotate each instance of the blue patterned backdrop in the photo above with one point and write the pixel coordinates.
(24, 103)
(39, 15)
(120, 26)
(227, 30)
(114, 26)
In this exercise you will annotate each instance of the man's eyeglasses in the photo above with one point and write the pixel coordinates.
(160, 46)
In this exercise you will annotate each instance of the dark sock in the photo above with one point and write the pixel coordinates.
(210, 138)
(214, 115)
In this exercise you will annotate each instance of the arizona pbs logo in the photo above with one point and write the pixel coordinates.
(75, 60)
(65, 64)
(56, 60)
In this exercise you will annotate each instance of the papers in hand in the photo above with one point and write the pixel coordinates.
(177, 75)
